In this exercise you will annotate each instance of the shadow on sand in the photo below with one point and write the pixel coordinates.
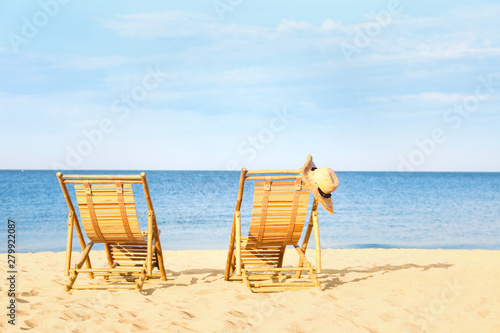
(331, 278)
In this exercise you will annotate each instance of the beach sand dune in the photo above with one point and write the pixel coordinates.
(369, 290)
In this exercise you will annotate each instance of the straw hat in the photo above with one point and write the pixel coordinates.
(321, 182)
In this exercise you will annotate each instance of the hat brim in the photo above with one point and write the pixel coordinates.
(307, 176)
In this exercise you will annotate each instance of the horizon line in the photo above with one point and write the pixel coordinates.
(214, 170)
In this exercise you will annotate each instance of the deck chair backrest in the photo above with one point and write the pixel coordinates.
(108, 215)
(279, 211)
(107, 210)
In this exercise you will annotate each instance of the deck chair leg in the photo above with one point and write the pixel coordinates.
(233, 263)
(238, 243)
(230, 262)
(281, 256)
(313, 277)
(299, 273)
(156, 264)
(109, 257)
(246, 280)
(300, 265)
(83, 259)
(69, 244)
(317, 243)
(302, 261)
(159, 259)
(311, 225)
(71, 280)
(155, 260)
(82, 244)
(74, 222)
(236, 230)
(139, 282)
(149, 259)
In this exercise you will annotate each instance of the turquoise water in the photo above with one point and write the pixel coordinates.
(194, 209)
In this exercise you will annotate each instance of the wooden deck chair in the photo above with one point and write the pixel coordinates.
(108, 215)
(280, 205)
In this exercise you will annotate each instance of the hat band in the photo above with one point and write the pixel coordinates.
(323, 194)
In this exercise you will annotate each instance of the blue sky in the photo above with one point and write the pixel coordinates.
(220, 85)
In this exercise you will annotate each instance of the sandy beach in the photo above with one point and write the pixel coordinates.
(372, 290)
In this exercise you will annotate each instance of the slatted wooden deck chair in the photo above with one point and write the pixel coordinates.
(108, 215)
(280, 205)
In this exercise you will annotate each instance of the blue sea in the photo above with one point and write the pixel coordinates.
(194, 209)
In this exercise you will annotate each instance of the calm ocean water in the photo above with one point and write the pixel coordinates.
(195, 208)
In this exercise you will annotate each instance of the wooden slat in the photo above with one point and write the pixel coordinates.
(285, 198)
(263, 214)
(110, 228)
(123, 211)
(282, 183)
(73, 181)
(255, 257)
(276, 198)
(280, 215)
(128, 253)
(126, 250)
(274, 171)
(108, 212)
(130, 257)
(257, 251)
(101, 186)
(252, 263)
(91, 211)
(294, 214)
(107, 177)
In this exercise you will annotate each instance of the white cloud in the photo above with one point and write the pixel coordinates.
(157, 25)
(405, 38)
(421, 105)
(467, 35)
(192, 25)
(424, 73)
(330, 24)
(432, 97)
(94, 62)
(424, 98)
(177, 24)
(467, 13)
(433, 50)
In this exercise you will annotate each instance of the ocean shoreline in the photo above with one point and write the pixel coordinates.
(309, 248)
